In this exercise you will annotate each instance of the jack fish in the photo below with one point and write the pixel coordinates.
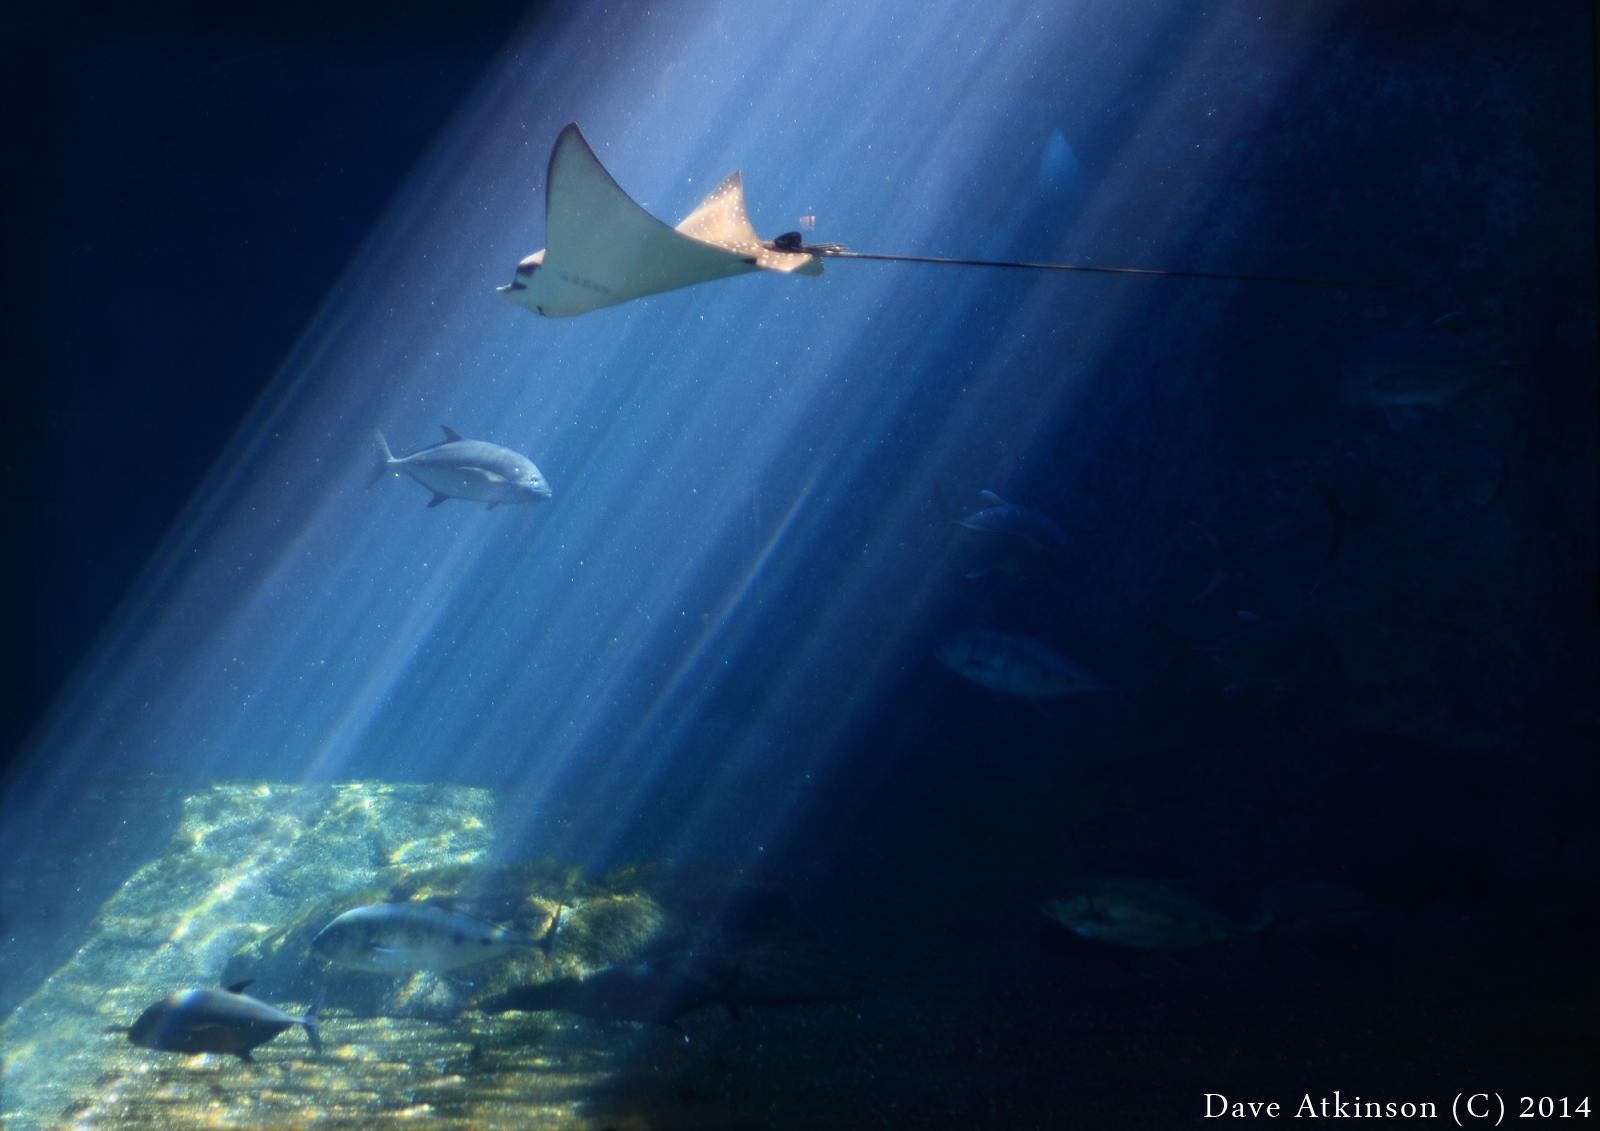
(229, 1021)
(1430, 367)
(1016, 665)
(456, 468)
(1139, 914)
(1014, 539)
(410, 938)
(1036, 530)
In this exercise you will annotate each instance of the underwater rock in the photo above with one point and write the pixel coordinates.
(666, 987)
(659, 990)
(250, 874)
(595, 931)
(244, 858)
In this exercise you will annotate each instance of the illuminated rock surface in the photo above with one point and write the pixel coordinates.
(244, 861)
(252, 871)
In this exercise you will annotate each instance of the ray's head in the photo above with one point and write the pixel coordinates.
(517, 289)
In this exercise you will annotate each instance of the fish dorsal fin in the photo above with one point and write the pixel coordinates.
(451, 436)
(991, 498)
(238, 987)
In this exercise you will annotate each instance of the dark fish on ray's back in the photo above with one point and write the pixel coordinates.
(410, 938)
(216, 1020)
(1016, 665)
(474, 470)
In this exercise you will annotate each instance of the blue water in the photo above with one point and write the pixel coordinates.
(715, 643)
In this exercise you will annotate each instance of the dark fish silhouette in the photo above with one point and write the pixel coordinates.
(1420, 367)
(213, 1020)
(1016, 665)
(1139, 914)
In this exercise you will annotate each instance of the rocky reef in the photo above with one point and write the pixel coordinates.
(253, 871)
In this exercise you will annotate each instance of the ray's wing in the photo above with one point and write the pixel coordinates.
(604, 249)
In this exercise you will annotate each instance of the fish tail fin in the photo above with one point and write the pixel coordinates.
(310, 1021)
(385, 458)
(549, 938)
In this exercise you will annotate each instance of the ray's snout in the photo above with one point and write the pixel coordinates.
(525, 270)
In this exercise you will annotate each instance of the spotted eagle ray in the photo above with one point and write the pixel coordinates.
(603, 249)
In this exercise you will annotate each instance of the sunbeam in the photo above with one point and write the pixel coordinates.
(691, 687)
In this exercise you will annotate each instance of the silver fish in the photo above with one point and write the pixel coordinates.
(213, 1020)
(1140, 914)
(1430, 367)
(1036, 530)
(410, 938)
(1016, 665)
(457, 468)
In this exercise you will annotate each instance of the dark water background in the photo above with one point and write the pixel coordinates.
(717, 644)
